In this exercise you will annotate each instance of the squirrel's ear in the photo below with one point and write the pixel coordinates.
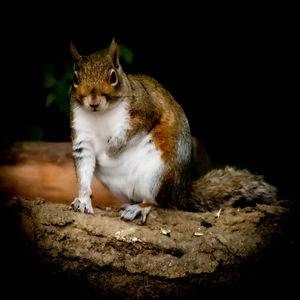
(114, 53)
(75, 54)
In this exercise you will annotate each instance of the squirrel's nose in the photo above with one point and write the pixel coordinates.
(94, 105)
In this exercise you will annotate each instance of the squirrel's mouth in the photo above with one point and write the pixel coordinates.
(93, 109)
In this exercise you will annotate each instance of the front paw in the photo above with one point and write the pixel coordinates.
(114, 146)
(82, 206)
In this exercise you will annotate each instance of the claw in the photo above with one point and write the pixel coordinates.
(82, 206)
(145, 212)
(131, 212)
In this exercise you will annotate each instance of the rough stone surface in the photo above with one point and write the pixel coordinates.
(172, 256)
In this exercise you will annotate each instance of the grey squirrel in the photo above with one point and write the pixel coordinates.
(130, 133)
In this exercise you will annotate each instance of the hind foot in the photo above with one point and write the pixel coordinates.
(133, 211)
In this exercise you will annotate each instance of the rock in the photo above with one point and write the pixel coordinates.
(101, 255)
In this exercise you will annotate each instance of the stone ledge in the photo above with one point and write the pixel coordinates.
(172, 256)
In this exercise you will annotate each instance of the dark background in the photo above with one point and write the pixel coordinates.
(231, 69)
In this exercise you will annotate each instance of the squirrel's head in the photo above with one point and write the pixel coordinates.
(97, 78)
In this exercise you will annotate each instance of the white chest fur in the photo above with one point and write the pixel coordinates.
(136, 171)
(99, 127)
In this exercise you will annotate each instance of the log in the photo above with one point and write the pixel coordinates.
(236, 251)
(50, 251)
(46, 170)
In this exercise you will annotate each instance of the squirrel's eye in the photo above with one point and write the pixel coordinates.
(75, 81)
(113, 78)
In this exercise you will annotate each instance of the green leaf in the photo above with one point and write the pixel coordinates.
(126, 54)
(50, 99)
(49, 80)
(33, 133)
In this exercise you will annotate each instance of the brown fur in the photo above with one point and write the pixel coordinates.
(152, 109)
(163, 138)
(230, 187)
(145, 204)
(93, 74)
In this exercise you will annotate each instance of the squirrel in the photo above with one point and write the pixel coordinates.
(130, 133)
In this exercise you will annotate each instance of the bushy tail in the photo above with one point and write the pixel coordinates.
(230, 187)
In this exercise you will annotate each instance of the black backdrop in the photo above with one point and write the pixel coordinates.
(232, 69)
(229, 67)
